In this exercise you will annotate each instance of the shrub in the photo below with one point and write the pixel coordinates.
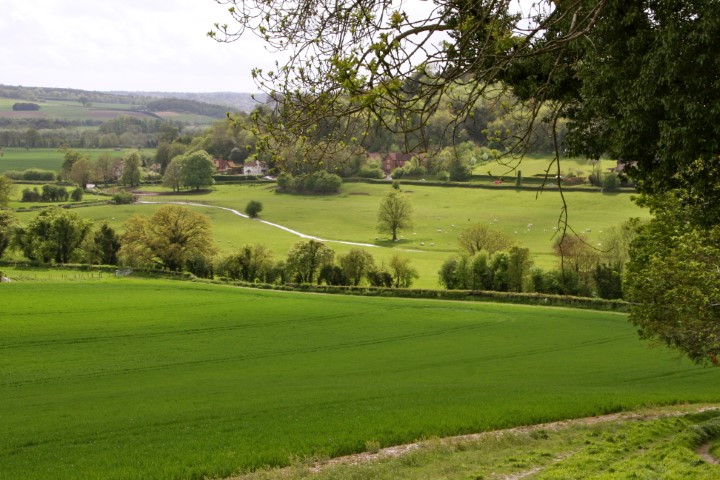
(30, 195)
(595, 179)
(318, 182)
(371, 172)
(123, 198)
(610, 182)
(37, 175)
(77, 194)
(253, 208)
(380, 278)
(200, 266)
(14, 174)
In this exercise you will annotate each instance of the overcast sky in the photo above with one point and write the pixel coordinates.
(137, 45)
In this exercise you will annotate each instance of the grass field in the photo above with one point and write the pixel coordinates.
(440, 215)
(534, 165)
(51, 158)
(129, 378)
(73, 110)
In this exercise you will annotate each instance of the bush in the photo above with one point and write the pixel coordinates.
(37, 175)
(13, 174)
(77, 194)
(610, 182)
(253, 208)
(30, 195)
(595, 179)
(318, 182)
(200, 266)
(371, 172)
(123, 198)
(23, 106)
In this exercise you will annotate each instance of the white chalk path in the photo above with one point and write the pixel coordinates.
(286, 229)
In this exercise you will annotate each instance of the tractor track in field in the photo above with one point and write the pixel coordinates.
(274, 225)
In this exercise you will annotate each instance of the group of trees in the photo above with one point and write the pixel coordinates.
(193, 170)
(489, 260)
(312, 261)
(177, 239)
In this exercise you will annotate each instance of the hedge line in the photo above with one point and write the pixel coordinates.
(431, 294)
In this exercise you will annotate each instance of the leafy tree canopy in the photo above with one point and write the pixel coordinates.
(167, 239)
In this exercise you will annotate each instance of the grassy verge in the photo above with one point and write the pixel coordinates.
(654, 443)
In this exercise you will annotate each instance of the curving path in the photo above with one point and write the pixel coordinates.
(281, 227)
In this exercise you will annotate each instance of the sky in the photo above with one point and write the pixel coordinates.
(133, 45)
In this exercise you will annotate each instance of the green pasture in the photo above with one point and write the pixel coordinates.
(440, 214)
(51, 158)
(536, 165)
(148, 379)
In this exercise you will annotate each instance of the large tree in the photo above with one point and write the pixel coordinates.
(6, 190)
(8, 222)
(173, 176)
(198, 170)
(672, 279)
(55, 234)
(167, 239)
(306, 259)
(131, 169)
(394, 214)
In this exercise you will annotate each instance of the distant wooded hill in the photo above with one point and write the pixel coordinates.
(215, 104)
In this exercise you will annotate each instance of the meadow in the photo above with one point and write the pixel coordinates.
(52, 158)
(440, 214)
(132, 378)
(74, 110)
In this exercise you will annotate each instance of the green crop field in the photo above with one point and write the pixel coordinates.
(132, 378)
(52, 158)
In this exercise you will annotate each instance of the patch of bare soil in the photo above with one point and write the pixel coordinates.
(703, 452)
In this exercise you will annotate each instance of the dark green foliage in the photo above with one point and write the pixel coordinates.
(318, 182)
(380, 278)
(556, 282)
(7, 228)
(305, 260)
(77, 194)
(332, 275)
(252, 263)
(198, 170)
(356, 265)
(106, 244)
(55, 234)
(672, 279)
(199, 265)
(253, 208)
(608, 281)
(50, 193)
(187, 106)
(610, 182)
(30, 195)
(123, 198)
(371, 172)
(25, 106)
(32, 175)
